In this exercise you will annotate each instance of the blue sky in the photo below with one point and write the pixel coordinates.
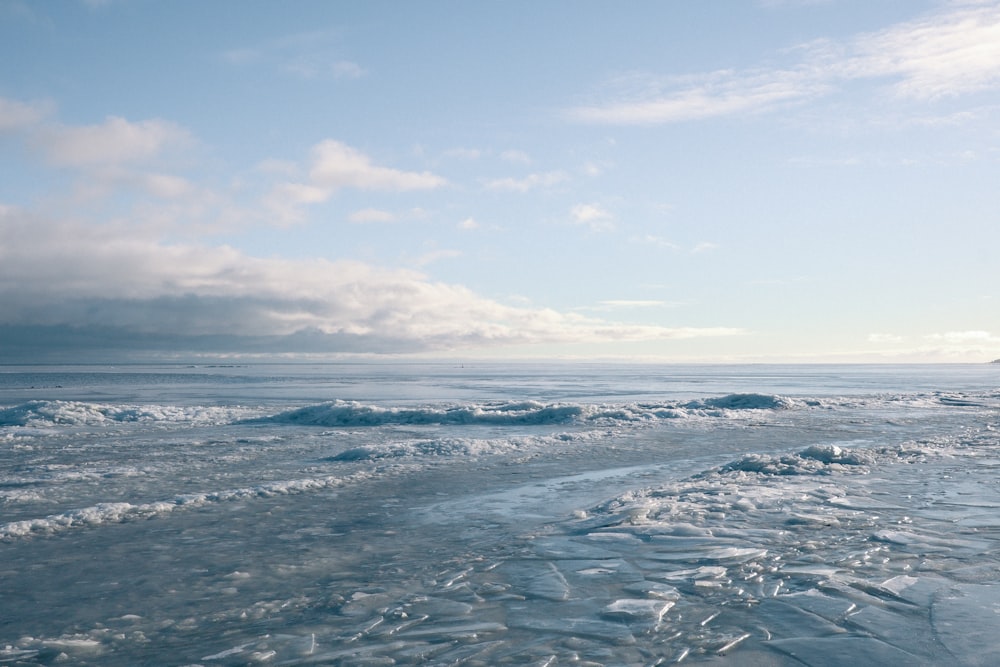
(754, 180)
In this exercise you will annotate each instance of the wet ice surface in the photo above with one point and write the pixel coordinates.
(825, 528)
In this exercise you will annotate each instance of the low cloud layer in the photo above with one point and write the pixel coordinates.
(90, 287)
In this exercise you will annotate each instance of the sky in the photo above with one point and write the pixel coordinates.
(682, 181)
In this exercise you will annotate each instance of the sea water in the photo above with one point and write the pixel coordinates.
(489, 514)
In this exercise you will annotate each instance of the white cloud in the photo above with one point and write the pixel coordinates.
(773, 4)
(956, 346)
(516, 156)
(529, 182)
(285, 168)
(974, 337)
(593, 217)
(116, 156)
(435, 256)
(724, 92)
(126, 288)
(104, 181)
(243, 56)
(345, 69)
(372, 215)
(658, 241)
(464, 153)
(336, 165)
(16, 115)
(116, 141)
(885, 338)
(315, 54)
(333, 166)
(633, 303)
(955, 51)
(704, 246)
(287, 197)
(469, 224)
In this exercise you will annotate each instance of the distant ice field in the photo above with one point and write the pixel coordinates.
(499, 514)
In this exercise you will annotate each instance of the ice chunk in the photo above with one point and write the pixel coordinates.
(697, 574)
(831, 652)
(899, 583)
(654, 590)
(463, 631)
(537, 580)
(607, 631)
(631, 608)
(735, 554)
(968, 623)
(745, 402)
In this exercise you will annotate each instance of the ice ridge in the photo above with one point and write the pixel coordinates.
(526, 413)
(120, 512)
(78, 413)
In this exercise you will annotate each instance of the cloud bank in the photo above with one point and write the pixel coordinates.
(92, 288)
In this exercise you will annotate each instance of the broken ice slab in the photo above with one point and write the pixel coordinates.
(704, 572)
(436, 607)
(449, 632)
(967, 621)
(917, 590)
(364, 604)
(559, 548)
(816, 602)
(535, 579)
(786, 620)
(637, 608)
(911, 632)
(604, 631)
(619, 567)
(653, 589)
(923, 543)
(833, 651)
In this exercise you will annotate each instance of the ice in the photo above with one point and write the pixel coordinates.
(77, 413)
(631, 608)
(360, 515)
(835, 651)
(967, 621)
(103, 513)
(746, 402)
(546, 582)
(349, 413)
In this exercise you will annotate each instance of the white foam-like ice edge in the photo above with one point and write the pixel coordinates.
(42, 413)
(531, 413)
(463, 447)
(761, 481)
(341, 413)
(120, 512)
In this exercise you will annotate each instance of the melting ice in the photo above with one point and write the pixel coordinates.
(550, 515)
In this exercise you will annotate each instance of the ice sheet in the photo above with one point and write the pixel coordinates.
(748, 517)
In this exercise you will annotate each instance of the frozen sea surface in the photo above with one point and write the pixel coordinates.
(503, 514)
